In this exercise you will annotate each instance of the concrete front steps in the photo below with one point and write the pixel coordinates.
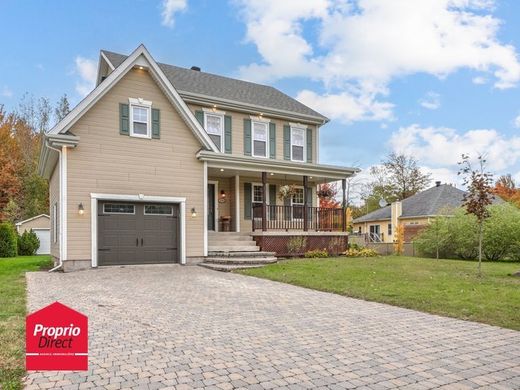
(228, 251)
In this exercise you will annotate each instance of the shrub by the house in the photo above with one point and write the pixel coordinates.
(316, 253)
(28, 243)
(8, 241)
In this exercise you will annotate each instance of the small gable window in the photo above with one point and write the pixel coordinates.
(297, 144)
(140, 118)
(214, 125)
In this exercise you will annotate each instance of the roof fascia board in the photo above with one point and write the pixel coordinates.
(102, 58)
(274, 166)
(196, 98)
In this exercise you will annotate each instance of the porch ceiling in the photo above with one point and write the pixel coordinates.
(222, 165)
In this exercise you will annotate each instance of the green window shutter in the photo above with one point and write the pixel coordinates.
(287, 142)
(272, 140)
(309, 145)
(247, 137)
(272, 201)
(309, 196)
(124, 119)
(227, 133)
(199, 115)
(247, 201)
(156, 123)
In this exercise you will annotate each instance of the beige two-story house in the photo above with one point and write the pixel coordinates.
(158, 163)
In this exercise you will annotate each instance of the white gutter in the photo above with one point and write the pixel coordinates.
(62, 166)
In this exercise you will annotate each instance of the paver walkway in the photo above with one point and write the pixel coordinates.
(188, 327)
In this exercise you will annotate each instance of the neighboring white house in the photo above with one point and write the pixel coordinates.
(41, 225)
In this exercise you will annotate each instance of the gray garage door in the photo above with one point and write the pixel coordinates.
(137, 233)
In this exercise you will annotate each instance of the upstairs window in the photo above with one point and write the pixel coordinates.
(260, 139)
(140, 115)
(297, 144)
(214, 126)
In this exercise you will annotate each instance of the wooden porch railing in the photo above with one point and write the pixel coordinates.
(294, 218)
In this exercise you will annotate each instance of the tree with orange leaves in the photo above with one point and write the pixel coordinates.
(505, 187)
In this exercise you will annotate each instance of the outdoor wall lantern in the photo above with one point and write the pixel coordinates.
(81, 209)
(222, 194)
(193, 212)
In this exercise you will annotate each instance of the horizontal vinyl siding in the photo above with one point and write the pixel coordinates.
(237, 124)
(107, 162)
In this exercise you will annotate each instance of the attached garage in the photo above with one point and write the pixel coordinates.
(138, 233)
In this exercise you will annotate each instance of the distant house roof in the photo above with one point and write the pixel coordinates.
(427, 203)
(220, 87)
(32, 219)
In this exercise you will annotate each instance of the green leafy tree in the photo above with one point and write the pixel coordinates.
(28, 243)
(501, 231)
(8, 240)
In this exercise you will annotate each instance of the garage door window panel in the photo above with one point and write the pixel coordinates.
(116, 208)
(156, 209)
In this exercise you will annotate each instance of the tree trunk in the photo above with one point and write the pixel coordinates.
(480, 233)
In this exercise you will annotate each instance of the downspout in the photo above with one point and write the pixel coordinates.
(60, 265)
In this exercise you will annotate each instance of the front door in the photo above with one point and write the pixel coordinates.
(375, 233)
(211, 206)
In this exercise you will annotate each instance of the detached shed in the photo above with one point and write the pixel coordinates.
(41, 225)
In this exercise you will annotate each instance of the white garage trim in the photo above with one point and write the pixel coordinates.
(94, 198)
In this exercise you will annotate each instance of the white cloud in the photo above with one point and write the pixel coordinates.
(432, 101)
(86, 69)
(347, 107)
(6, 92)
(479, 80)
(516, 122)
(169, 9)
(443, 147)
(364, 44)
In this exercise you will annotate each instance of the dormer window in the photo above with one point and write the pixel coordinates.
(214, 125)
(297, 144)
(140, 118)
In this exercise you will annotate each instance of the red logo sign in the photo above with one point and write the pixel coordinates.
(56, 338)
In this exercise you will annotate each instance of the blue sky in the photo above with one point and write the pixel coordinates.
(431, 78)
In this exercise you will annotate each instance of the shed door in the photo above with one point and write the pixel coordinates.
(137, 233)
(44, 235)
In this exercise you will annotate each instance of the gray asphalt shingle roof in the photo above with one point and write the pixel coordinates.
(429, 202)
(191, 81)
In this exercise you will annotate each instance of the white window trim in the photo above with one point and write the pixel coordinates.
(94, 198)
(304, 130)
(259, 119)
(266, 196)
(263, 123)
(297, 204)
(147, 105)
(222, 130)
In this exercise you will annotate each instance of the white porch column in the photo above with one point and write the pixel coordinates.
(205, 212)
(237, 203)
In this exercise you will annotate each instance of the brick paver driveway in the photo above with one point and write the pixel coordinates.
(188, 327)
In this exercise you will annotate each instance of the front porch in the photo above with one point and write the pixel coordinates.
(243, 196)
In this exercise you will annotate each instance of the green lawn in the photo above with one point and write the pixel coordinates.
(12, 316)
(445, 287)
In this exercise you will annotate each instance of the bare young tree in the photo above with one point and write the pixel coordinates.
(62, 108)
(479, 183)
